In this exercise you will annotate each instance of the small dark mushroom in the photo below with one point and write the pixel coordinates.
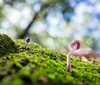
(27, 41)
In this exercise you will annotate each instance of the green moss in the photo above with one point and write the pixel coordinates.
(39, 66)
(6, 45)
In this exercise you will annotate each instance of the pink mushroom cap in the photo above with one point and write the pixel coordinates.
(28, 40)
(76, 42)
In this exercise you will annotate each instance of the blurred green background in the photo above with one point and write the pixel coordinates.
(52, 23)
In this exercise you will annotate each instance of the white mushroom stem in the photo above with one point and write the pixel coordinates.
(69, 69)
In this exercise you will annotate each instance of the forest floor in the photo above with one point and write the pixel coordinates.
(40, 66)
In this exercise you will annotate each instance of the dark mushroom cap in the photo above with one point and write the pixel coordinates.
(28, 40)
(74, 42)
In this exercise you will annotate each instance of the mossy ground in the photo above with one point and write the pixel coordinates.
(6, 45)
(39, 66)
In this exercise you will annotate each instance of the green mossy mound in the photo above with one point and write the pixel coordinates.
(39, 66)
(6, 45)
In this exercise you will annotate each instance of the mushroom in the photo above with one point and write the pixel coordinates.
(27, 41)
(75, 45)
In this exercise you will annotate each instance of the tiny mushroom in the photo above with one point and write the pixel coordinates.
(75, 45)
(27, 41)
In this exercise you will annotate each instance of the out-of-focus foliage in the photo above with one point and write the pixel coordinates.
(56, 23)
(16, 15)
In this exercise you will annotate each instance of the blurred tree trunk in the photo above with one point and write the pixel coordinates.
(25, 32)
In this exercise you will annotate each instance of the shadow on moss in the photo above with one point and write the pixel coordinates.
(6, 45)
